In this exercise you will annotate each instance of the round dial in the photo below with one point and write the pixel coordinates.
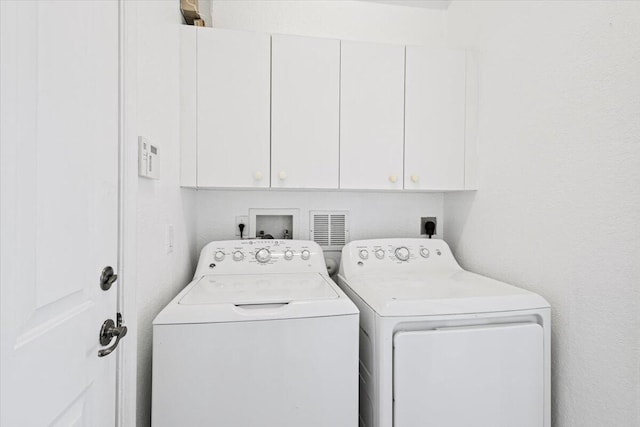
(288, 255)
(219, 256)
(238, 256)
(402, 253)
(305, 254)
(364, 254)
(379, 253)
(424, 252)
(263, 255)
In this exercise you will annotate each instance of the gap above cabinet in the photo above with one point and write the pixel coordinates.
(261, 111)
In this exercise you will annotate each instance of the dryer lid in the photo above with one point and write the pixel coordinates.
(445, 293)
(258, 289)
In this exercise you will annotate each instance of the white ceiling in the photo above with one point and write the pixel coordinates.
(427, 4)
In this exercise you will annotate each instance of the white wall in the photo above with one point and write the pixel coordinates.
(344, 19)
(558, 210)
(371, 214)
(160, 275)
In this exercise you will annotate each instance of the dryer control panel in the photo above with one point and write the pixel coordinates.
(259, 256)
(390, 256)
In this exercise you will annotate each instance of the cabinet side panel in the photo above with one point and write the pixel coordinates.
(471, 124)
(188, 93)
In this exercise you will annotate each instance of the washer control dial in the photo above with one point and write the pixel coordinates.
(364, 254)
(379, 253)
(305, 254)
(402, 253)
(288, 254)
(238, 256)
(263, 255)
(219, 256)
(424, 252)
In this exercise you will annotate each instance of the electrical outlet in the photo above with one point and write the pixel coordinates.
(423, 221)
(242, 219)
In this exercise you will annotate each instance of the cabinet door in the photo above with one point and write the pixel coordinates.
(305, 102)
(371, 116)
(233, 73)
(434, 119)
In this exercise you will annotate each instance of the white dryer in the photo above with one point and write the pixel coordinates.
(261, 337)
(440, 346)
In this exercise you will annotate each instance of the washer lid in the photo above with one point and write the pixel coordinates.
(256, 297)
(258, 289)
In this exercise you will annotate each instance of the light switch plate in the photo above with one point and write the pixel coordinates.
(148, 159)
(169, 239)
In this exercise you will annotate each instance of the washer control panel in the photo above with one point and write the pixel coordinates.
(261, 256)
(388, 255)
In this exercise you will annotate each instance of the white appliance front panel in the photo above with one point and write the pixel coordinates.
(281, 373)
(486, 376)
(259, 289)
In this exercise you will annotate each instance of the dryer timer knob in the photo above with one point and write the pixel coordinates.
(263, 255)
(402, 253)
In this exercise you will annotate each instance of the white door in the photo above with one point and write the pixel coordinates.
(59, 170)
(233, 107)
(482, 376)
(434, 119)
(371, 116)
(305, 112)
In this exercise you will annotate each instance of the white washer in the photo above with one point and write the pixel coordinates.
(261, 337)
(440, 346)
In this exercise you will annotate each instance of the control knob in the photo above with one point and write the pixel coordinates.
(263, 255)
(305, 254)
(379, 253)
(238, 256)
(219, 256)
(288, 255)
(402, 253)
(364, 254)
(424, 252)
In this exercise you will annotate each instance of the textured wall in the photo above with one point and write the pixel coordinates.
(558, 210)
(160, 275)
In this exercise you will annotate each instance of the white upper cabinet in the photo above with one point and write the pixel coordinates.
(233, 84)
(435, 119)
(372, 113)
(305, 112)
(283, 111)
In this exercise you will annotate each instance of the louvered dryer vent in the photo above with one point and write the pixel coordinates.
(329, 229)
